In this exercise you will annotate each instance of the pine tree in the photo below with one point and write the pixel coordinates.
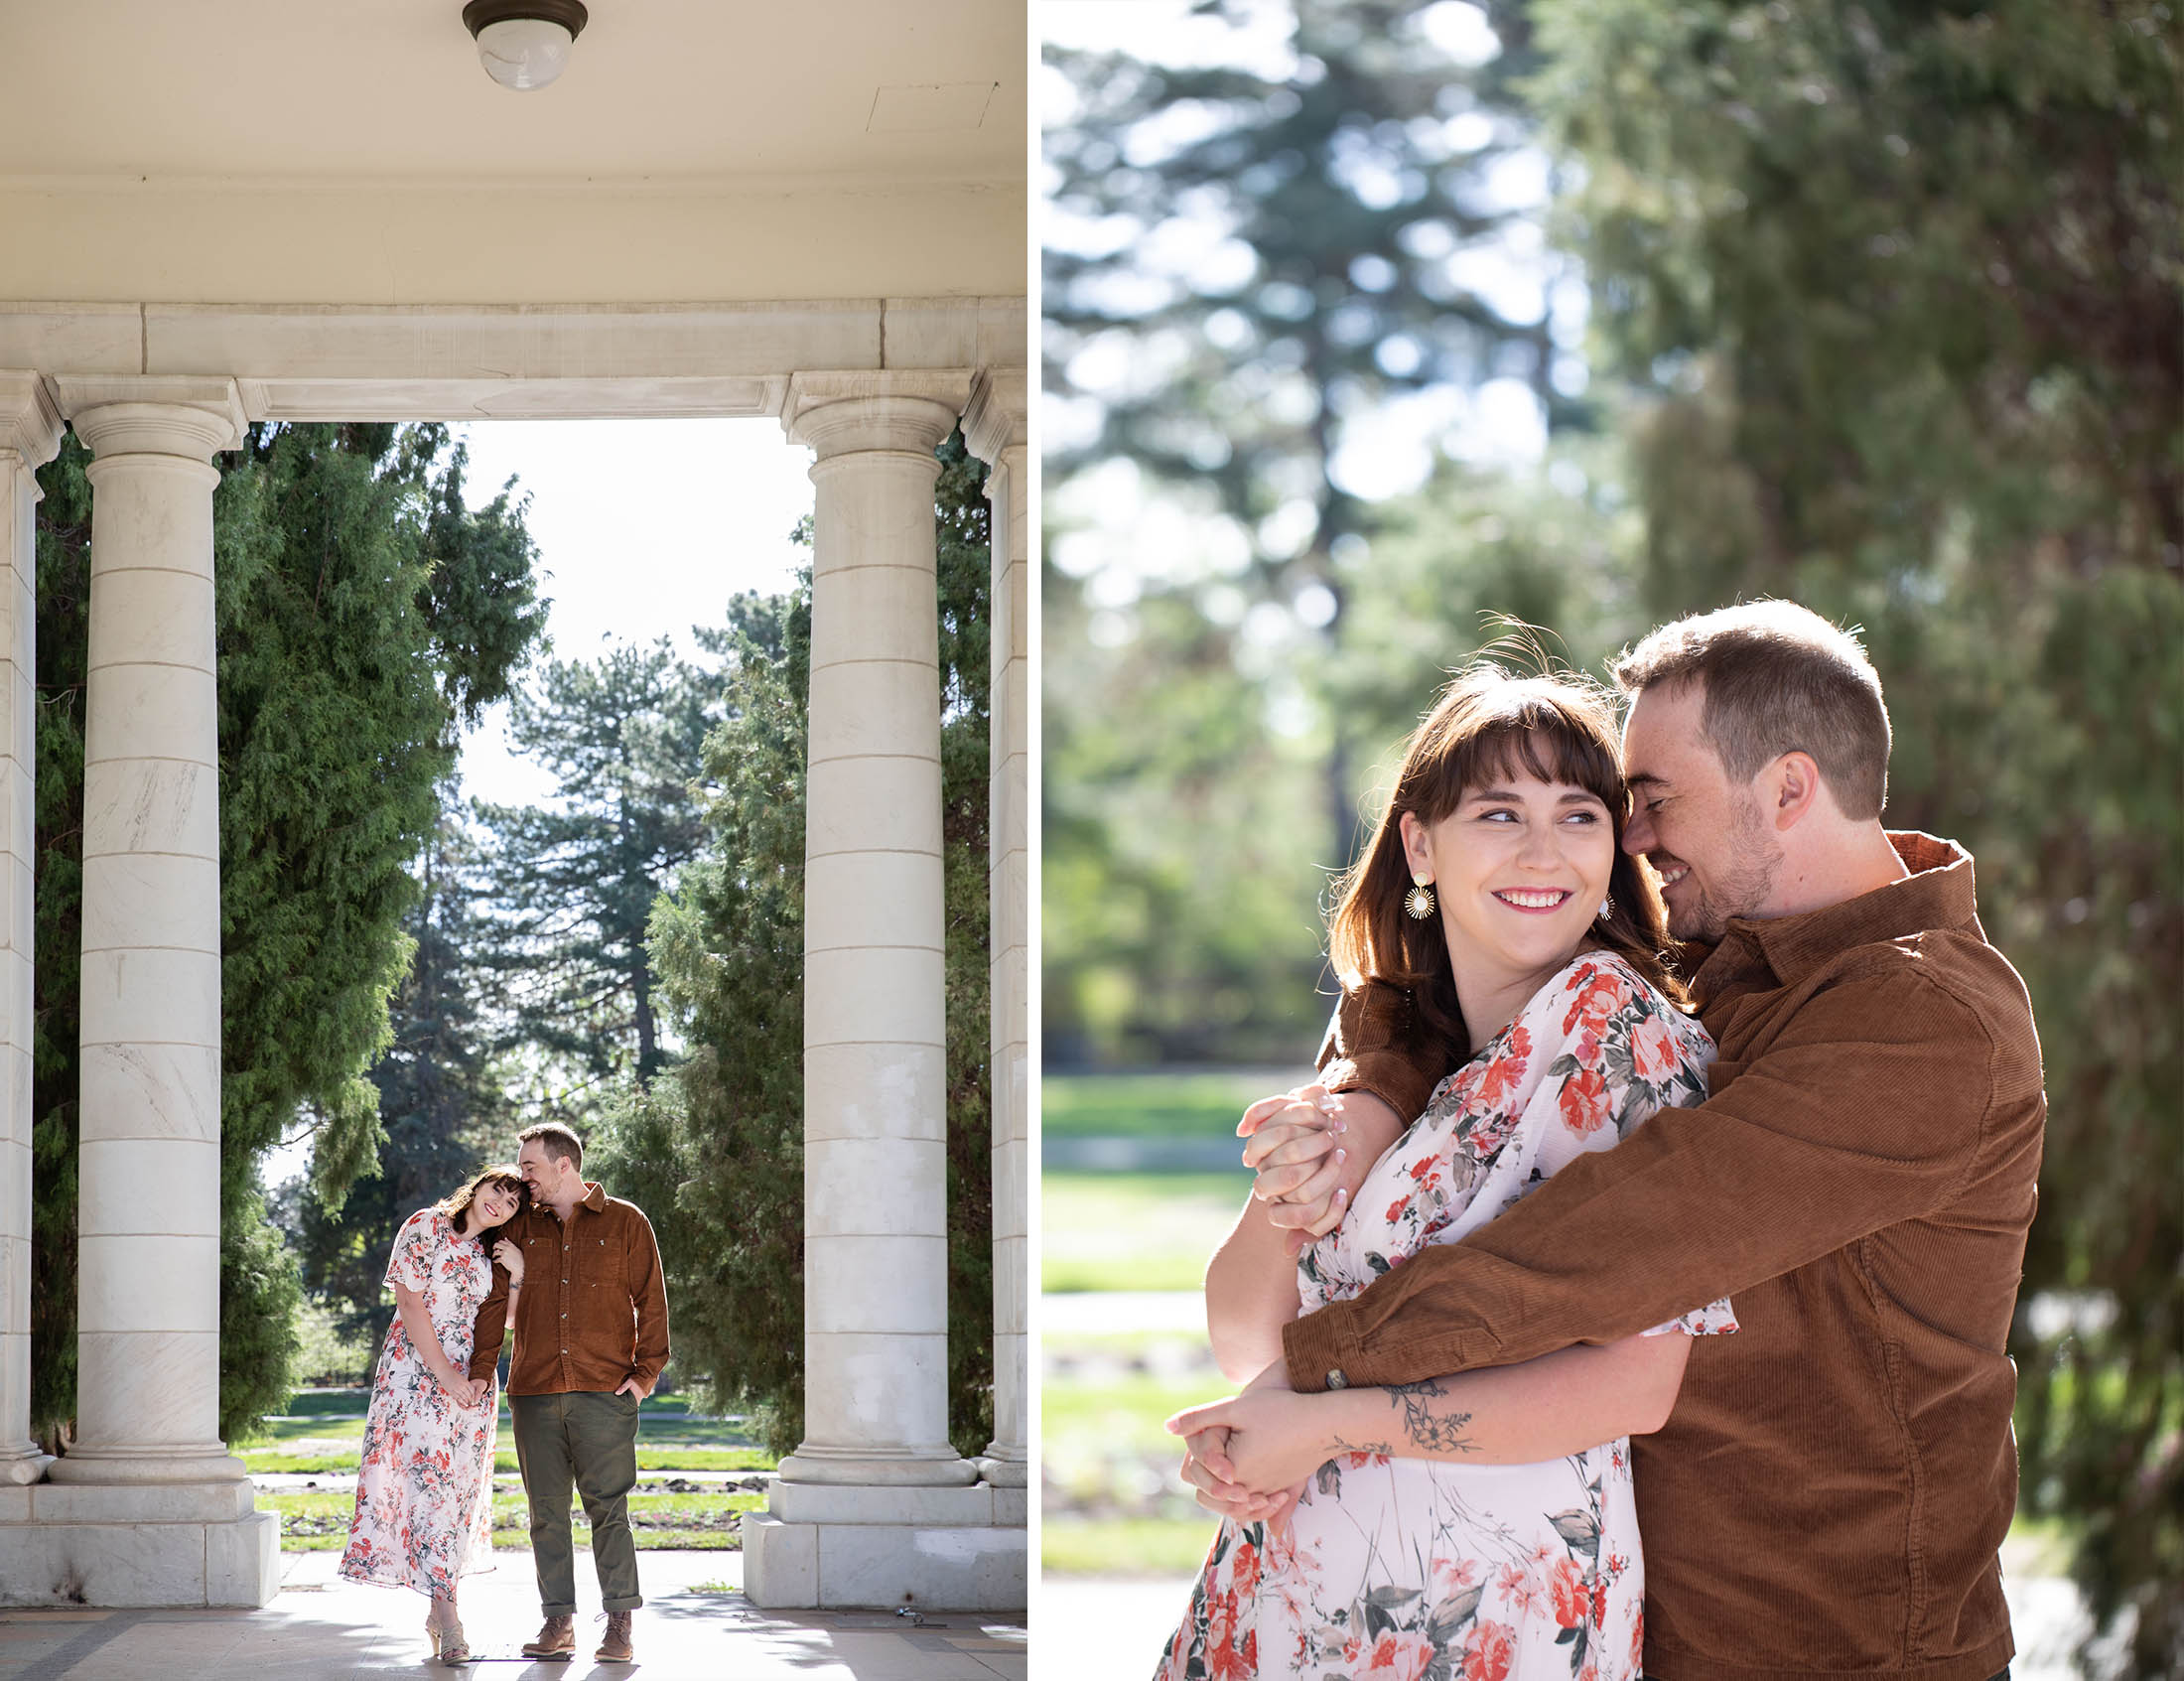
(571, 883)
(360, 610)
(441, 1106)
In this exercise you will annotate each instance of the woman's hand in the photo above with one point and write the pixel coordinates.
(509, 1255)
(1290, 1137)
(1317, 1146)
(1273, 1444)
(464, 1392)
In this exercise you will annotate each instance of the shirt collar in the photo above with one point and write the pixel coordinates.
(1937, 894)
(594, 1199)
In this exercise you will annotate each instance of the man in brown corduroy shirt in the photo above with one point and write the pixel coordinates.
(590, 1339)
(1831, 1490)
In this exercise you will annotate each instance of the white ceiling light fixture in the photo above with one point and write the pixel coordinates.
(524, 44)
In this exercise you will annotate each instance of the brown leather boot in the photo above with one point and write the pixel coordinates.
(616, 1648)
(556, 1640)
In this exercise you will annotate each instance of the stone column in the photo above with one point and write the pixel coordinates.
(875, 1248)
(152, 1509)
(875, 1507)
(30, 436)
(994, 427)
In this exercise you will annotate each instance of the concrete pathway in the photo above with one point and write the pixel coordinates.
(320, 1628)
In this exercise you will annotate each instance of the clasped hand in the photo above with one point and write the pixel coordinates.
(1295, 1151)
(464, 1391)
(1249, 1456)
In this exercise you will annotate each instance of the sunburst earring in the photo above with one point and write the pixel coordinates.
(1419, 899)
(1607, 908)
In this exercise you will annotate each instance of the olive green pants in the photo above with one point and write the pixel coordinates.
(588, 1441)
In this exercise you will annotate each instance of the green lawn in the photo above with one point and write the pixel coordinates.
(1111, 1503)
(1145, 1105)
(324, 1434)
(1125, 1547)
(648, 1459)
(315, 1523)
(1133, 1231)
(329, 1417)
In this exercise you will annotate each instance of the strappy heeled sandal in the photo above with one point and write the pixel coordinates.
(448, 1644)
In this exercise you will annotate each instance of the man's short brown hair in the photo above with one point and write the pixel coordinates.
(1777, 678)
(555, 1140)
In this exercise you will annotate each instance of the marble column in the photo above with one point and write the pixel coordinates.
(30, 436)
(149, 1215)
(148, 1508)
(995, 428)
(875, 1248)
(875, 1507)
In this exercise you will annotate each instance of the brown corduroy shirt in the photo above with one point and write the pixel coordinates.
(1829, 1494)
(593, 1306)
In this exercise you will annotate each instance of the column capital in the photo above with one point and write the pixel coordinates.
(997, 418)
(153, 414)
(836, 413)
(30, 420)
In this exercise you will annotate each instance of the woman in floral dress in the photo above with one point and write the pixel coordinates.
(423, 1506)
(1478, 1527)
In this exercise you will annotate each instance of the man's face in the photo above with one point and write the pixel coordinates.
(1704, 834)
(540, 1171)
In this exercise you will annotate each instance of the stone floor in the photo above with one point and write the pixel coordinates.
(320, 1628)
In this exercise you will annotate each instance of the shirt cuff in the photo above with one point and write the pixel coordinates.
(1318, 1351)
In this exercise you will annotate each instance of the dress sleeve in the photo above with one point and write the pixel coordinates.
(1626, 1054)
(410, 1265)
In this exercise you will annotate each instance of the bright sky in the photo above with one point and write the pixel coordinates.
(644, 528)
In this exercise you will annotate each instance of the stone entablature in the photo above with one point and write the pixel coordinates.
(315, 362)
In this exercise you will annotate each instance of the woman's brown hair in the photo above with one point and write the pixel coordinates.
(457, 1201)
(1487, 725)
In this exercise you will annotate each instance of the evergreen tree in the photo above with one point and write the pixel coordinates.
(720, 1139)
(440, 1106)
(571, 883)
(360, 610)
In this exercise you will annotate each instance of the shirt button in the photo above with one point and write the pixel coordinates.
(1335, 1378)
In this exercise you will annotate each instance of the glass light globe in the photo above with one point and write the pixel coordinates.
(524, 52)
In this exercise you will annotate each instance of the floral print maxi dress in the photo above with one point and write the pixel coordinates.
(424, 1507)
(1430, 1570)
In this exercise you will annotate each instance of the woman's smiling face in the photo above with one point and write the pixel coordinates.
(493, 1206)
(1519, 869)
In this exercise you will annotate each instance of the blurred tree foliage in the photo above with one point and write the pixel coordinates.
(1246, 260)
(571, 883)
(1886, 305)
(714, 1147)
(360, 610)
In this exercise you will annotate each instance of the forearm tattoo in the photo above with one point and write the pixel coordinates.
(1436, 1432)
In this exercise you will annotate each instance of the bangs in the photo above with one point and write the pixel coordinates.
(1522, 730)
